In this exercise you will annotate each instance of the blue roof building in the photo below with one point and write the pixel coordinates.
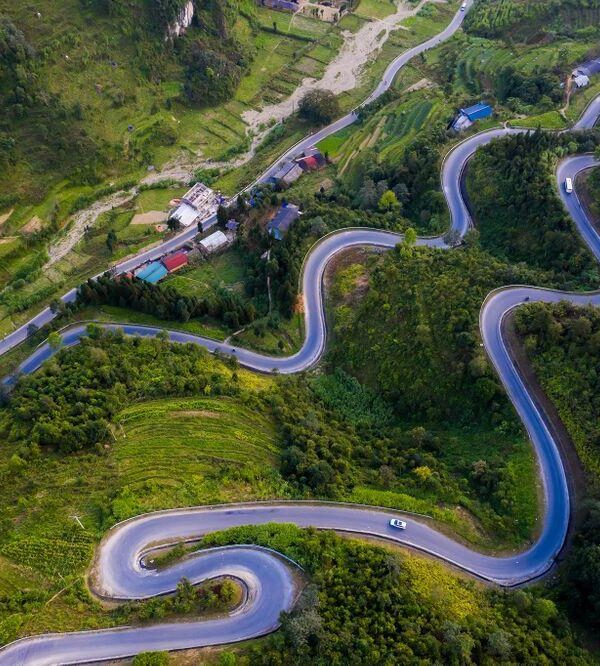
(468, 116)
(153, 272)
(477, 111)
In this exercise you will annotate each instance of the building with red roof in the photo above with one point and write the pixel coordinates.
(173, 262)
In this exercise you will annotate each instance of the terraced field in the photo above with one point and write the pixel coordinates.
(195, 449)
(170, 452)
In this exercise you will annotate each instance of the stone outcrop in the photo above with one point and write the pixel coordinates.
(183, 21)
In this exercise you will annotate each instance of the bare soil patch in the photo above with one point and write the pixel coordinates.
(34, 224)
(151, 217)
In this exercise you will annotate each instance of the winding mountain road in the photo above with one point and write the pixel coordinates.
(267, 579)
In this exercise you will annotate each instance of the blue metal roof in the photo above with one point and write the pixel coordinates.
(476, 111)
(153, 272)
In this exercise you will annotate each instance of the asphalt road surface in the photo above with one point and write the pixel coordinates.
(267, 579)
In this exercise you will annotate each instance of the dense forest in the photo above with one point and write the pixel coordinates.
(166, 302)
(414, 336)
(69, 403)
(563, 344)
(338, 435)
(409, 188)
(335, 434)
(512, 192)
(370, 605)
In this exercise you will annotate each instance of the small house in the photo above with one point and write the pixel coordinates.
(588, 68)
(283, 220)
(214, 242)
(581, 80)
(153, 272)
(287, 173)
(197, 205)
(173, 262)
(466, 117)
(312, 162)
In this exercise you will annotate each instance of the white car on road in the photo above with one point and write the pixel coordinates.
(568, 185)
(398, 524)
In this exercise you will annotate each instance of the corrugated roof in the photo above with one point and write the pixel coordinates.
(152, 272)
(477, 111)
(186, 214)
(310, 162)
(284, 219)
(174, 261)
(214, 241)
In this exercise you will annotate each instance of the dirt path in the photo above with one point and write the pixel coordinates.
(83, 219)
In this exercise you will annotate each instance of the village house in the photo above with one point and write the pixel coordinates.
(197, 206)
(283, 220)
(466, 117)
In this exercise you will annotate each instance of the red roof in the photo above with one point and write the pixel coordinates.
(175, 261)
(310, 162)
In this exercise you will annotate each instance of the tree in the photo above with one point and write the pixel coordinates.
(319, 106)
(54, 340)
(151, 659)
(56, 306)
(32, 329)
(222, 215)
(111, 240)
(388, 201)
(410, 237)
(173, 224)
(452, 237)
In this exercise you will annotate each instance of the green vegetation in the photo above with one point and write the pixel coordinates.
(222, 442)
(319, 106)
(589, 184)
(366, 603)
(563, 344)
(519, 18)
(517, 211)
(118, 87)
(414, 342)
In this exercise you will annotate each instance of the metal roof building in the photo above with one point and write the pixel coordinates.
(477, 111)
(284, 219)
(152, 272)
(214, 242)
(173, 262)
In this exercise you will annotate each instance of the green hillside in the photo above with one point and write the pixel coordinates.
(520, 18)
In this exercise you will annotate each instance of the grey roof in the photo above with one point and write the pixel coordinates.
(286, 215)
(590, 67)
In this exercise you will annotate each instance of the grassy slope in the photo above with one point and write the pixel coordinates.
(166, 453)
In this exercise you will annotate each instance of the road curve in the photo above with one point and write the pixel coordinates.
(120, 575)
(266, 578)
